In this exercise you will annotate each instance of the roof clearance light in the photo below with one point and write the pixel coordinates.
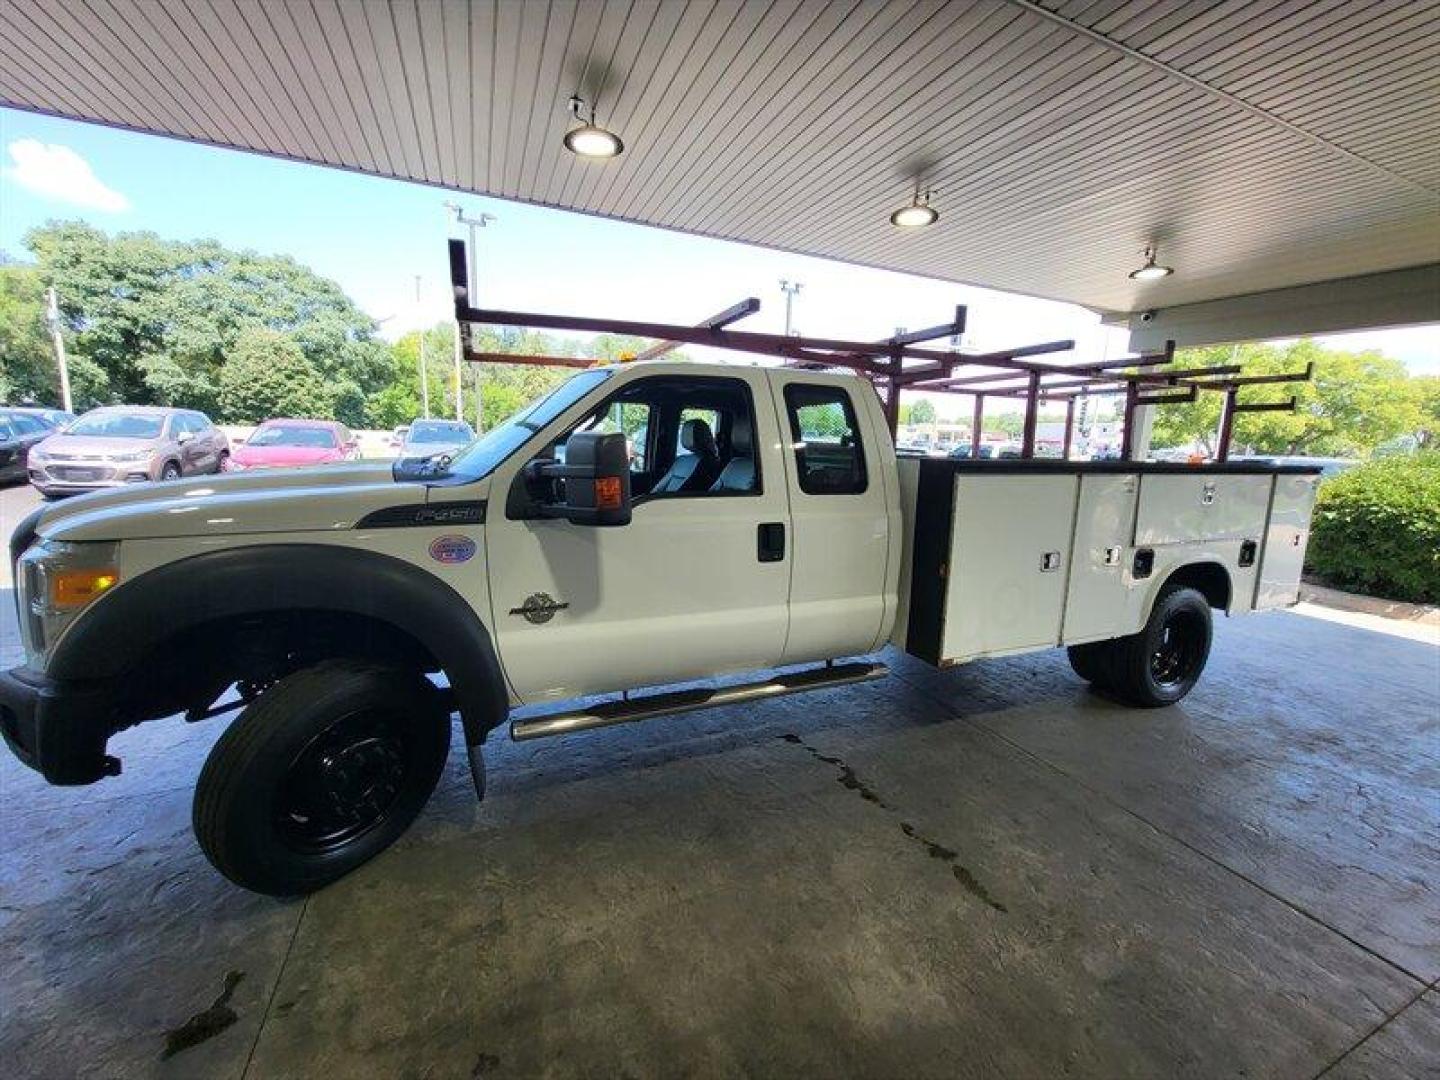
(917, 215)
(1150, 271)
(590, 139)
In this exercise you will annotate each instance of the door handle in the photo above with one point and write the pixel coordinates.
(770, 541)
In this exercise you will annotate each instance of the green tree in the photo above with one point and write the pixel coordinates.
(267, 375)
(159, 318)
(1355, 402)
(27, 365)
(922, 412)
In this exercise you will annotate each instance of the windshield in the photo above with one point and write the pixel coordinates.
(119, 425)
(441, 432)
(282, 435)
(482, 456)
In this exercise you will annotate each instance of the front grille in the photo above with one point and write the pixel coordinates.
(80, 474)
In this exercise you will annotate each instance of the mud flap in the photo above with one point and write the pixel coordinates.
(476, 753)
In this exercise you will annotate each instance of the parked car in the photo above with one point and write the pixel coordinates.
(427, 438)
(286, 443)
(57, 418)
(397, 437)
(20, 430)
(127, 444)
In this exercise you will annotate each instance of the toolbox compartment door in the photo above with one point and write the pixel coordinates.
(1285, 540)
(1009, 561)
(1180, 508)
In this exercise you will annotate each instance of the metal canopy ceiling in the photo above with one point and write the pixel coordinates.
(1260, 144)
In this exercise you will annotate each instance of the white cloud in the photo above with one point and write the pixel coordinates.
(57, 172)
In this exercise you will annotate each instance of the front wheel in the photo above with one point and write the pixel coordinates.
(320, 774)
(1161, 664)
(171, 471)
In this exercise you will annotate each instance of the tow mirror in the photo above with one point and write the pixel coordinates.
(597, 480)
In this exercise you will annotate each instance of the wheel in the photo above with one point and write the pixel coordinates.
(171, 471)
(320, 774)
(1089, 660)
(222, 462)
(1162, 663)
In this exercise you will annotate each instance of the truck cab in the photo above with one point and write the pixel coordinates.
(764, 511)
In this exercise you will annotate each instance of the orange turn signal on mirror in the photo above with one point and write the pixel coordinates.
(607, 493)
(76, 588)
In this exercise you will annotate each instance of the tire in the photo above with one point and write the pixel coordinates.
(1162, 663)
(222, 462)
(325, 770)
(1089, 660)
(171, 471)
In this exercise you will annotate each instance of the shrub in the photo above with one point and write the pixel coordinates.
(1377, 529)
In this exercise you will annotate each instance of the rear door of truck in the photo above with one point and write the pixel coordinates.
(840, 469)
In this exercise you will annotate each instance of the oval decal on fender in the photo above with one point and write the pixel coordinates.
(452, 549)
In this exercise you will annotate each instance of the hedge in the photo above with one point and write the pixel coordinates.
(1377, 529)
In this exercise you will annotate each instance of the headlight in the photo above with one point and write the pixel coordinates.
(59, 580)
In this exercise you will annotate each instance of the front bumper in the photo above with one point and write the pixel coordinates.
(59, 729)
(63, 479)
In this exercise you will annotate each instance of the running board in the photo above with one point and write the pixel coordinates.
(630, 710)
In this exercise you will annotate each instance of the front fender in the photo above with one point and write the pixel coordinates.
(113, 636)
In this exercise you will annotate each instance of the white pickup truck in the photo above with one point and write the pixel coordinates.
(643, 525)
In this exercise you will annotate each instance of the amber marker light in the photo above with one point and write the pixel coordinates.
(76, 588)
(607, 493)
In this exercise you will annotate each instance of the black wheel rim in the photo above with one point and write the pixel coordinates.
(1177, 651)
(344, 782)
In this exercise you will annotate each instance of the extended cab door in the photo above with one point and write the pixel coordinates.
(845, 507)
(696, 585)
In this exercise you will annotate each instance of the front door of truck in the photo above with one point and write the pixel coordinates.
(696, 585)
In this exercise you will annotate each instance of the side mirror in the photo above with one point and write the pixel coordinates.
(597, 480)
(184, 437)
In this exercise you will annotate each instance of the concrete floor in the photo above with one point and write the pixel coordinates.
(985, 872)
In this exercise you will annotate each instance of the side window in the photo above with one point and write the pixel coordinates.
(829, 458)
(200, 423)
(27, 425)
(630, 418)
(687, 435)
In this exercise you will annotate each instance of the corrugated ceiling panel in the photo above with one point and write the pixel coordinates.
(1261, 143)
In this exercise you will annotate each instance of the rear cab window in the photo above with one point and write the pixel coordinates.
(825, 434)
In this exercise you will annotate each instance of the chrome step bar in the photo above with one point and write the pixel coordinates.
(629, 710)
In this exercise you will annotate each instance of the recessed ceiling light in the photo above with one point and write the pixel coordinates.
(918, 214)
(1151, 271)
(590, 139)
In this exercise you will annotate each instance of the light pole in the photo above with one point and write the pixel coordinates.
(474, 250)
(52, 316)
(790, 289)
(424, 373)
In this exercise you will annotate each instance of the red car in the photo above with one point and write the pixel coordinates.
(279, 444)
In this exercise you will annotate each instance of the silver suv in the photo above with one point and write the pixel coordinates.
(122, 444)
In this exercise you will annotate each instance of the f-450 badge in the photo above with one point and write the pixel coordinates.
(539, 608)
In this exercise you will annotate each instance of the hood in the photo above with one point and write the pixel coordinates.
(95, 446)
(281, 456)
(324, 498)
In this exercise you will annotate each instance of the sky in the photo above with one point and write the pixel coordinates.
(375, 236)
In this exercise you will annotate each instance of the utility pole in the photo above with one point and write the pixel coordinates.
(790, 289)
(52, 316)
(474, 249)
(424, 372)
